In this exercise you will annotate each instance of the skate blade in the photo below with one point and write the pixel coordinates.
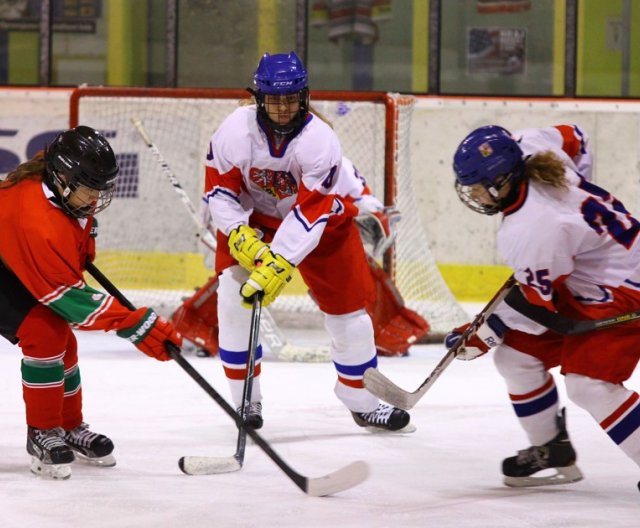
(563, 475)
(50, 471)
(105, 461)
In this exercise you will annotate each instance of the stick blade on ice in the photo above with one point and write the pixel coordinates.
(340, 480)
(343, 479)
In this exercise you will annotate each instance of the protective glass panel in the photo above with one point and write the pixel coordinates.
(608, 48)
(356, 45)
(220, 42)
(19, 41)
(505, 47)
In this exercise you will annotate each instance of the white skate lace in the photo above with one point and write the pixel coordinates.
(51, 438)
(82, 436)
(379, 416)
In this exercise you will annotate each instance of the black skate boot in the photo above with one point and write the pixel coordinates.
(92, 447)
(253, 415)
(51, 457)
(384, 417)
(557, 454)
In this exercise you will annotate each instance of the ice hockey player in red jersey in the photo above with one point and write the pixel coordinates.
(272, 170)
(47, 208)
(574, 250)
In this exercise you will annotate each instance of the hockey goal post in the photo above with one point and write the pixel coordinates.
(146, 238)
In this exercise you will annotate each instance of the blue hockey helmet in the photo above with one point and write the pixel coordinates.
(281, 74)
(490, 157)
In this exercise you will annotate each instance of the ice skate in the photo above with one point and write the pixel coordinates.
(557, 456)
(384, 418)
(51, 457)
(91, 447)
(253, 415)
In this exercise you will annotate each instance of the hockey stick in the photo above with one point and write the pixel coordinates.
(204, 232)
(247, 388)
(561, 324)
(278, 344)
(347, 477)
(382, 387)
(200, 465)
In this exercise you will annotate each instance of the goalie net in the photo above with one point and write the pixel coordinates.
(146, 241)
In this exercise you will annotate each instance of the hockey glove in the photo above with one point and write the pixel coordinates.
(149, 332)
(368, 203)
(490, 334)
(270, 277)
(246, 247)
(378, 230)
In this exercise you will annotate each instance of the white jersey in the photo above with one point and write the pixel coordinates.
(582, 238)
(292, 180)
(568, 142)
(352, 184)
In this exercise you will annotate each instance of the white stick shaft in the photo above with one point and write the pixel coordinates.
(382, 387)
(207, 237)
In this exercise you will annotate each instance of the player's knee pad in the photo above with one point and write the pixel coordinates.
(597, 397)
(229, 298)
(521, 371)
(44, 335)
(234, 321)
(351, 335)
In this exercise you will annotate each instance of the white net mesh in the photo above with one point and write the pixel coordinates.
(416, 273)
(147, 243)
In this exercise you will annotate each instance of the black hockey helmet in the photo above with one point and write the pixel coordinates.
(79, 157)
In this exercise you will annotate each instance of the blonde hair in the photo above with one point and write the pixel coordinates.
(546, 168)
(320, 115)
(29, 170)
(252, 100)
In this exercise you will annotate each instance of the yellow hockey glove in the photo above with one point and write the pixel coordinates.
(246, 247)
(270, 277)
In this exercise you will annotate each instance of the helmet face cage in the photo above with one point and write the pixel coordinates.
(281, 75)
(81, 170)
(470, 195)
(77, 199)
(487, 160)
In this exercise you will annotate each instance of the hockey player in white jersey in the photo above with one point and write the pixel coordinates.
(574, 250)
(272, 172)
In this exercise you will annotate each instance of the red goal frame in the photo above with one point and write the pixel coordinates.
(390, 102)
(221, 93)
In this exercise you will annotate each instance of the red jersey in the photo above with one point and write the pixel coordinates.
(46, 249)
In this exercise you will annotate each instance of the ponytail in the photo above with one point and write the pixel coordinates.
(546, 168)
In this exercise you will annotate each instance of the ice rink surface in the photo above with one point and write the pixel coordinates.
(444, 475)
